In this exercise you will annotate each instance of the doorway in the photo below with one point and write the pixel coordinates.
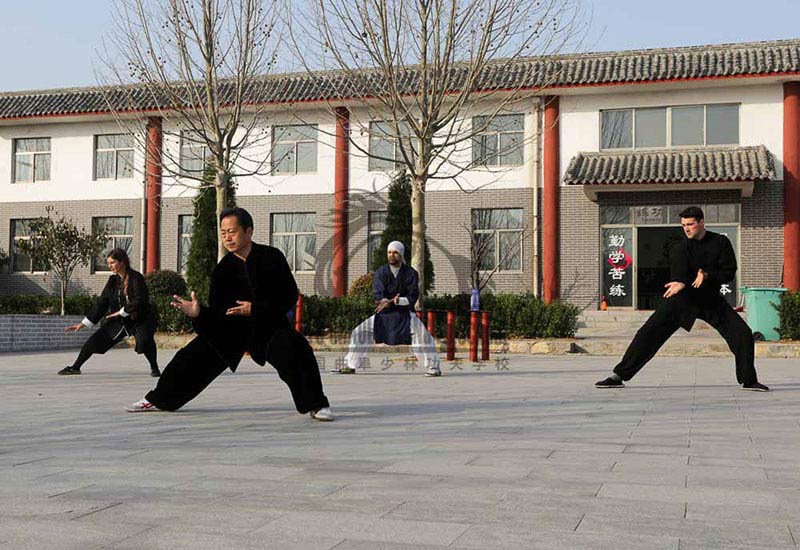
(653, 270)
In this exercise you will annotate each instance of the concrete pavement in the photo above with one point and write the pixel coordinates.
(528, 457)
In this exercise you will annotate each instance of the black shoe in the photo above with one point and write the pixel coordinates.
(154, 372)
(70, 370)
(609, 382)
(754, 386)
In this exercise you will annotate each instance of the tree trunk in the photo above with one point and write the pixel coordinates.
(221, 187)
(418, 230)
(63, 297)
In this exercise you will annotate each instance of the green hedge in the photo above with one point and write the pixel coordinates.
(169, 318)
(78, 304)
(513, 315)
(789, 311)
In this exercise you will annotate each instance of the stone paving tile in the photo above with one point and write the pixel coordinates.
(531, 458)
(349, 525)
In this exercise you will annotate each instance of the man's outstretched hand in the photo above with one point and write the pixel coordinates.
(673, 288)
(700, 279)
(190, 308)
(242, 309)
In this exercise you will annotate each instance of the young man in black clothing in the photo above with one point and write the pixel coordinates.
(699, 264)
(252, 288)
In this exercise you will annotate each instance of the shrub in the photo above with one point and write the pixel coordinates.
(32, 304)
(789, 311)
(165, 283)
(362, 287)
(169, 318)
(512, 315)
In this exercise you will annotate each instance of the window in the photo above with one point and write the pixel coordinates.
(384, 147)
(376, 223)
(21, 262)
(113, 156)
(650, 128)
(184, 241)
(497, 238)
(293, 234)
(722, 124)
(499, 141)
(120, 235)
(194, 154)
(294, 149)
(31, 160)
(616, 129)
(681, 126)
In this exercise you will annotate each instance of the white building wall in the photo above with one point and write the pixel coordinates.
(72, 165)
(760, 115)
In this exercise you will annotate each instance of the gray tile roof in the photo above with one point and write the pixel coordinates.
(592, 69)
(753, 163)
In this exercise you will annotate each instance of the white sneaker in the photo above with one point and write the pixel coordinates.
(323, 415)
(433, 371)
(143, 405)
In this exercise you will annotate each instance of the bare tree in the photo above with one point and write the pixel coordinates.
(433, 76)
(202, 66)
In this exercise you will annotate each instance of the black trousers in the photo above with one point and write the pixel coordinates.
(197, 364)
(101, 341)
(665, 320)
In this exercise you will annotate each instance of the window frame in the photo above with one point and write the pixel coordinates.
(111, 237)
(32, 154)
(13, 255)
(115, 151)
(371, 232)
(296, 144)
(179, 268)
(375, 136)
(498, 154)
(191, 144)
(293, 261)
(668, 129)
(496, 241)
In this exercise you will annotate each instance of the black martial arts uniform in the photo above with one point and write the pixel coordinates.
(714, 255)
(140, 321)
(266, 281)
(393, 325)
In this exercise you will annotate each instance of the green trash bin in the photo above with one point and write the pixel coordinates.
(760, 306)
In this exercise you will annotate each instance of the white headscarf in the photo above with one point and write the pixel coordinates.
(398, 247)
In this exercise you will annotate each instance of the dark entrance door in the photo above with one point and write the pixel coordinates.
(652, 254)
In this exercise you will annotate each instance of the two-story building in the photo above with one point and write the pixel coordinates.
(577, 187)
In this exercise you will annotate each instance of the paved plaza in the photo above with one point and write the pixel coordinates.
(529, 457)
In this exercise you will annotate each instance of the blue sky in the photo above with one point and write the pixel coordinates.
(53, 43)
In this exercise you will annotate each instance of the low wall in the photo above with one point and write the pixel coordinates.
(40, 332)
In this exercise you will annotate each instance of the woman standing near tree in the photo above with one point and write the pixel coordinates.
(124, 310)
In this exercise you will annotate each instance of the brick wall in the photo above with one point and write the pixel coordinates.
(39, 332)
(761, 249)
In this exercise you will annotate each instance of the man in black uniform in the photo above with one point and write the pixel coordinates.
(252, 288)
(699, 264)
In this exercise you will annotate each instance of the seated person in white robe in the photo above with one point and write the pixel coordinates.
(396, 289)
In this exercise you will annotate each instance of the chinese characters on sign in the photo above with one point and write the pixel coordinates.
(617, 266)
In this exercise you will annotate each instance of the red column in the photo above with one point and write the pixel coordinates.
(340, 196)
(153, 181)
(791, 179)
(551, 177)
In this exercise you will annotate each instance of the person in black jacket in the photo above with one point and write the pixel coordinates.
(123, 309)
(699, 265)
(252, 288)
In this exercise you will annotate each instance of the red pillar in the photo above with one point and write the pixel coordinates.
(340, 196)
(551, 177)
(153, 181)
(791, 179)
